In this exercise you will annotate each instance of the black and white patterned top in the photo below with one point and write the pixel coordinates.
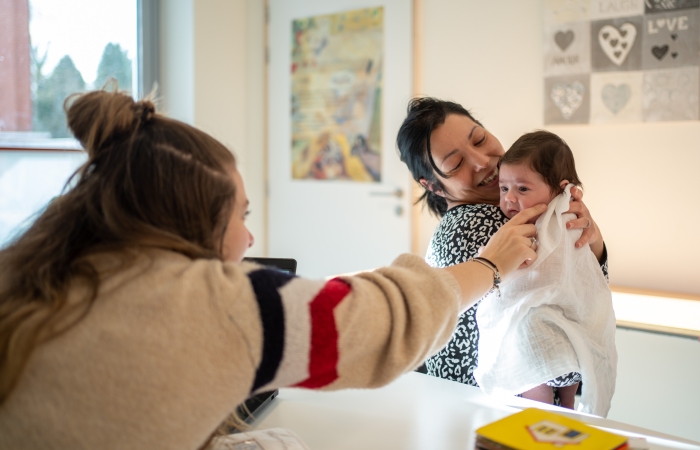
(458, 236)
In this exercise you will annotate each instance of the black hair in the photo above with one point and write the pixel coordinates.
(423, 115)
(547, 154)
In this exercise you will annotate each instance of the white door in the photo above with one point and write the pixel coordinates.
(334, 226)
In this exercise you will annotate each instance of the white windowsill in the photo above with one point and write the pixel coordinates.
(657, 312)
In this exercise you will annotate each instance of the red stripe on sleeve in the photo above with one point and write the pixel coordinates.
(323, 356)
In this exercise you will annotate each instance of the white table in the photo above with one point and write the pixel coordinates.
(415, 412)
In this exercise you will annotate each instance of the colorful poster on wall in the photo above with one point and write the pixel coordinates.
(336, 96)
(616, 61)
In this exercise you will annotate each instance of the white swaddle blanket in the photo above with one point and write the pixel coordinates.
(554, 317)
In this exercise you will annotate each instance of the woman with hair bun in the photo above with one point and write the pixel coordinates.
(127, 319)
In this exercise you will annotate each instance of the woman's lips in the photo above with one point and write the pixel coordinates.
(491, 179)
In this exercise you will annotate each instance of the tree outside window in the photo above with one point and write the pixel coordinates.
(50, 49)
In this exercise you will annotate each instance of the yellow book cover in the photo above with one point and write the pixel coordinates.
(536, 429)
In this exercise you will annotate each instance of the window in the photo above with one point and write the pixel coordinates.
(50, 49)
(55, 48)
(28, 181)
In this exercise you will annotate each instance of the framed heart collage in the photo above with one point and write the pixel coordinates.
(621, 61)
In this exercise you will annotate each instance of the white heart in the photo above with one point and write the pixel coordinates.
(609, 34)
(568, 97)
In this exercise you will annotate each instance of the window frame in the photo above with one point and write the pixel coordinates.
(148, 29)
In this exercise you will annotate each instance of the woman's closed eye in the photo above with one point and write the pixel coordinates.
(479, 138)
(459, 164)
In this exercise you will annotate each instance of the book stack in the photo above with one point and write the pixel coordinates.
(536, 429)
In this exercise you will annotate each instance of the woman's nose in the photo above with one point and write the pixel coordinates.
(251, 239)
(479, 160)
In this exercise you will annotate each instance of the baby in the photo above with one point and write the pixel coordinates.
(554, 322)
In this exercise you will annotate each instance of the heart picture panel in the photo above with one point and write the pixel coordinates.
(616, 97)
(616, 44)
(567, 49)
(621, 61)
(670, 95)
(671, 40)
(609, 9)
(566, 99)
(655, 6)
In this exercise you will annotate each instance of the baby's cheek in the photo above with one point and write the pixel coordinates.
(534, 201)
(504, 210)
(525, 204)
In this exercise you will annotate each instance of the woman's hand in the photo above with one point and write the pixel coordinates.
(513, 244)
(591, 233)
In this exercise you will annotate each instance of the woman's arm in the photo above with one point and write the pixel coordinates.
(366, 330)
(591, 233)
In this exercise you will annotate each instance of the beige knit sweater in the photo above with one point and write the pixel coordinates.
(172, 345)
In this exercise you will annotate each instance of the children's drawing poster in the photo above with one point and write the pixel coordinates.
(336, 76)
(617, 61)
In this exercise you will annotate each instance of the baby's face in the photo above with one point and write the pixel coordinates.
(520, 188)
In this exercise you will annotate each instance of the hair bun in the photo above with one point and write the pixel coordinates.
(144, 110)
(97, 118)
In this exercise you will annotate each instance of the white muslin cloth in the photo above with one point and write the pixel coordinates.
(554, 317)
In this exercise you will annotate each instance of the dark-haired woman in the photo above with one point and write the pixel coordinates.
(456, 160)
(128, 321)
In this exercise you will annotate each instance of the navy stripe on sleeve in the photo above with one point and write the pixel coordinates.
(266, 284)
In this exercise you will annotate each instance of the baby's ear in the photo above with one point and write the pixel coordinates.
(563, 183)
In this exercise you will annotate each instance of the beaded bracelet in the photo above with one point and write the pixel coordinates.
(496, 273)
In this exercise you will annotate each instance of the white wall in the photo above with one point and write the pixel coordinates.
(212, 77)
(640, 179)
(657, 384)
(229, 90)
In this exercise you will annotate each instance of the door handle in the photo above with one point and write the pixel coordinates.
(398, 193)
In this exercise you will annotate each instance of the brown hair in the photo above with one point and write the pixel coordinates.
(149, 181)
(547, 154)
